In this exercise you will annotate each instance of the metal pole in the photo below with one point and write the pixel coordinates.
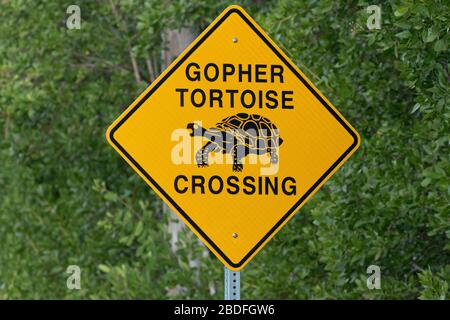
(232, 284)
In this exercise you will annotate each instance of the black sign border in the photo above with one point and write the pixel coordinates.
(291, 67)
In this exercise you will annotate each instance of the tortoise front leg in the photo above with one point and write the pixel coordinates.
(237, 156)
(201, 157)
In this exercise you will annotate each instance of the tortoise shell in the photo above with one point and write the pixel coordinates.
(251, 130)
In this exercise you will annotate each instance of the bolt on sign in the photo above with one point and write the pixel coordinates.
(234, 137)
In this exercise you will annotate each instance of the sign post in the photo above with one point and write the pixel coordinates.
(232, 284)
(234, 137)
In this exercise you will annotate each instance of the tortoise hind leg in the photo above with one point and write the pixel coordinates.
(273, 152)
(201, 157)
(273, 155)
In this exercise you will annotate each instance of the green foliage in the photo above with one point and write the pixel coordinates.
(67, 198)
(434, 287)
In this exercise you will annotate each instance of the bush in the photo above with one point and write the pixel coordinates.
(69, 199)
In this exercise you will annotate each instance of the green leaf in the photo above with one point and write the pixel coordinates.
(104, 268)
(111, 196)
(400, 11)
(425, 182)
(440, 45)
(415, 108)
(431, 35)
(138, 229)
(403, 35)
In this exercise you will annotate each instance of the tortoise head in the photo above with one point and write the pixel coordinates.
(195, 129)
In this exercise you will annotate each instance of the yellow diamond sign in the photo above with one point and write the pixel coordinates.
(234, 137)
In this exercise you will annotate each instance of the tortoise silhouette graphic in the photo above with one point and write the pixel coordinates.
(238, 135)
